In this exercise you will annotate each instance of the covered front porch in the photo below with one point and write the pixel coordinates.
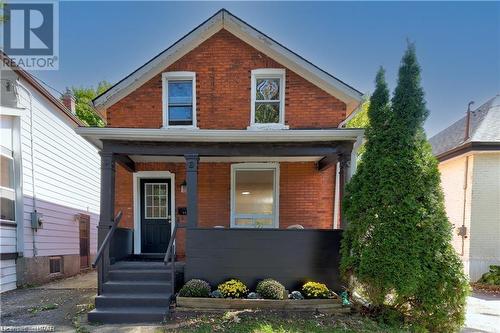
(242, 204)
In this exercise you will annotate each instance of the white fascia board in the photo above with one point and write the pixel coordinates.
(160, 62)
(293, 62)
(94, 135)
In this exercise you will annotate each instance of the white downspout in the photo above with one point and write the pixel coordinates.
(463, 232)
(32, 151)
(352, 169)
(336, 198)
(350, 173)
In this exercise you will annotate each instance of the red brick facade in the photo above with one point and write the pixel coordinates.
(306, 195)
(223, 65)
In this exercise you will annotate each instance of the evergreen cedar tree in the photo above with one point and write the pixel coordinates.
(396, 247)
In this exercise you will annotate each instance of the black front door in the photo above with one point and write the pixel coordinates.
(155, 215)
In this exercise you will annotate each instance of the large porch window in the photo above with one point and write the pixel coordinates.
(254, 195)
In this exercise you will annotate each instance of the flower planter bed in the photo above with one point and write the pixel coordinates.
(224, 304)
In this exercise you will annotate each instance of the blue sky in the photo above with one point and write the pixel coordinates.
(458, 43)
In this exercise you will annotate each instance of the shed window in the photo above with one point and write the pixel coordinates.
(55, 265)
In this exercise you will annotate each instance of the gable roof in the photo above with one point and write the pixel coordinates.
(223, 19)
(484, 129)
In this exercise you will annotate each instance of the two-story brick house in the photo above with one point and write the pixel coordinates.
(235, 140)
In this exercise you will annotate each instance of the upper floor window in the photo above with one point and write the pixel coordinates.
(179, 99)
(268, 98)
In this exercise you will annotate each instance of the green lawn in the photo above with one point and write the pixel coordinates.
(266, 322)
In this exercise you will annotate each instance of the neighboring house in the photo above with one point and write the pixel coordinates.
(227, 142)
(469, 160)
(49, 185)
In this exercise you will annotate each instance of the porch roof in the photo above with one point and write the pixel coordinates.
(96, 135)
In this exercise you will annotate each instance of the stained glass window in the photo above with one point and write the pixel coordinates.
(267, 100)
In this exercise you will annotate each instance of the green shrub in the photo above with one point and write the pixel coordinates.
(195, 288)
(233, 288)
(271, 289)
(492, 277)
(315, 290)
(396, 248)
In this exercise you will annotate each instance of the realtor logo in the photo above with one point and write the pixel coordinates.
(31, 34)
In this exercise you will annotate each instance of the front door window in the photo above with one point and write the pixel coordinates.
(155, 215)
(156, 200)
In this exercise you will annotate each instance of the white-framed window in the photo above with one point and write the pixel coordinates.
(268, 99)
(179, 99)
(7, 182)
(255, 195)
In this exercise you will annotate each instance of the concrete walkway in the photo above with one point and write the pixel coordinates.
(483, 313)
(81, 281)
(54, 306)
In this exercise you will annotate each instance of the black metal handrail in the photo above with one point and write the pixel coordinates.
(170, 253)
(107, 239)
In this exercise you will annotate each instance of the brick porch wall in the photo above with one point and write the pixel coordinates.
(223, 66)
(306, 195)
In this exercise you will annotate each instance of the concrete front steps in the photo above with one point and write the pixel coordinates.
(136, 292)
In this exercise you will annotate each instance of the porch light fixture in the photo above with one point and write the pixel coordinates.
(245, 192)
(183, 187)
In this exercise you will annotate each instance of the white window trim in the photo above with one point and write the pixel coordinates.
(137, 176)
(177, 76)
(279, 73)
(256, 166)
(11, 192)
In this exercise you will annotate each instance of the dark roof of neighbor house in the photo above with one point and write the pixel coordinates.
(484, 128)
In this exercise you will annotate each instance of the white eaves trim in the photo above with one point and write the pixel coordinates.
(225, 20)
(95, 134)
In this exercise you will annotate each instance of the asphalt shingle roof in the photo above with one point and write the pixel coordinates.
(484, 127)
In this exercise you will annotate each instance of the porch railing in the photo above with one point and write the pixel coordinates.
(170, 254)
(103, 253)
